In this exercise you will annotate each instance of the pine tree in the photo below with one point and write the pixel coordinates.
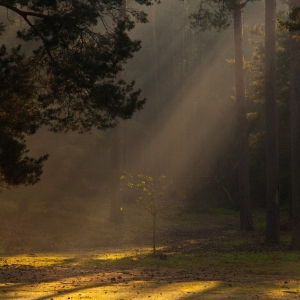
(295, 122)
(219, 14)
(272, 226)
(69, 79)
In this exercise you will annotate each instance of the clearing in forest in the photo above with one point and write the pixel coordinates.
(202, 257)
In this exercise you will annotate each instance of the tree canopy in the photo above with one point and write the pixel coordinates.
(70, 80)
(215, 14)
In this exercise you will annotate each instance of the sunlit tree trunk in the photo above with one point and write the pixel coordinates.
(295, 133)
(116, 211)
(272, 227)
(246, 222)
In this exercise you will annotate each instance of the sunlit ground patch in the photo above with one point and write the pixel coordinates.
(85, 289)
(39, 259)
(72, 259)
(135, 273)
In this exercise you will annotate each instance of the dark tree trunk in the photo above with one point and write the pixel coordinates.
(154, 233)
(295, 135)
(246, 222)
(272, 227)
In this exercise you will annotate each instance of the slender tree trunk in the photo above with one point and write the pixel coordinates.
(295, 134)
(246, 222)
(154, 233)
(272, 227)
(116, 211)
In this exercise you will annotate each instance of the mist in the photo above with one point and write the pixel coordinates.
(185, 129)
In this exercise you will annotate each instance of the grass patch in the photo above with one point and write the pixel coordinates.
(128, 274)
(199, 256)
(128, 258)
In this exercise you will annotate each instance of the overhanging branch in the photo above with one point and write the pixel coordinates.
(23, 13)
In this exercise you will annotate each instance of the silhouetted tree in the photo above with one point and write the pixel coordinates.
(256, 116)
(71, 72)
(272, 226)
(153, 196)
(219, 14)
(19, 116)
(246, 222)
(293, 25)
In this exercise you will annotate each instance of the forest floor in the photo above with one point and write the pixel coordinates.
(202, 257)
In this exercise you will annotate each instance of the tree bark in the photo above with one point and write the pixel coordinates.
(295, 133)
(246, 222)
(272, 203)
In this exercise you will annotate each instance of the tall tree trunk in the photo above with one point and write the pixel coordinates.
(295, 134)
(246, 222)
(272, 227)
(116, 212)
